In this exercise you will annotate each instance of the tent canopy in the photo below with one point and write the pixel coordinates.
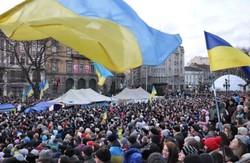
(132, 94)
(81, 96)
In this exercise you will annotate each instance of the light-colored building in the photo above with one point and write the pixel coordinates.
(169, 75)
(193, 77)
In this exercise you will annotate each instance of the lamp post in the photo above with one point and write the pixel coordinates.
(226, 84)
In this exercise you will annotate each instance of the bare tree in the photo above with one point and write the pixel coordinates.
(30, 56)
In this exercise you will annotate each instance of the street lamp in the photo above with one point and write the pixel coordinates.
(226, 84)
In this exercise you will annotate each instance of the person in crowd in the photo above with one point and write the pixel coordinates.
(170, 152)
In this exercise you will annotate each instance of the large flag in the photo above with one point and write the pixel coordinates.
(153, 93)
(41, 93)
(222, 55)
(110, 32)
(102, 73)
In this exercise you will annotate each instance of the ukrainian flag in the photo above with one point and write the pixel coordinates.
(46, 85)
(30, 91)
(153, 93)
(108, 32)
(102, 73)
(23, 94)
(222, 55)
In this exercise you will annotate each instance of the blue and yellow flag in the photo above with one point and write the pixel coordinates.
(30, 91)
(102, 73)
(46, 85)
(153, 93)
(246, 70)
(41, 85)
(222, 55)
(23, 94)
(110, 32)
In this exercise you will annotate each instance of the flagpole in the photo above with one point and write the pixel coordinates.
(216, 103)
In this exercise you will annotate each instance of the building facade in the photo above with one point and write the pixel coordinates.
(169, 75)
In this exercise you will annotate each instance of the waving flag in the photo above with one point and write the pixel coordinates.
(102, 73)
(23, 94)
(153, 93)
(46, 85)
(109, 33)
(222, 55)
(30, 91)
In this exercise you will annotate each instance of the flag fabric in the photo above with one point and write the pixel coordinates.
(30, 91)
(102, 73)
(41, 85)
(105, 116)
(110, 33)
(41, 93)
(23, 94)
(46, 85)
(222, 55)
(153, 93)
(246, 70)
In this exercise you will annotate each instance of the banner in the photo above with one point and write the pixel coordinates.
(75, 68)
(86, 68)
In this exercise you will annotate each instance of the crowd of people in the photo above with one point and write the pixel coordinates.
(176, 129)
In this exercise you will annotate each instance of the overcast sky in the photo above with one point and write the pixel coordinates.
(229, 19)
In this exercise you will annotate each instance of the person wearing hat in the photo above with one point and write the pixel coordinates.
(211, 144)
(186, 150)
(115, 149)
(87, 154)
(103, 155)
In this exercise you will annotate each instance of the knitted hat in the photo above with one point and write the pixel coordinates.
(34, 152)
(124, 141)
(26, 140)
(155, 158)
(90, 143)
(213, 143)
(103, 154)
(20, 157)
(24, 151)
(87, 150)
(189, 150)
(242, 131)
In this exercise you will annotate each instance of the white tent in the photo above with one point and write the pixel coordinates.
(138, 94)
(81, 96)
(234, 81)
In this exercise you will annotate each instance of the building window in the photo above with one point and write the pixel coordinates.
(12, 60)
(54, 66)
(69, 67)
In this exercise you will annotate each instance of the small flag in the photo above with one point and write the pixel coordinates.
(30, 91)
(46, 86)
(102, 73)
(153, 93)
(105, 116)
(23, 94)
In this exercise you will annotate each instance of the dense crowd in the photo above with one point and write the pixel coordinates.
(178, 128)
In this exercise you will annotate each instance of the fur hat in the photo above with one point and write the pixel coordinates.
(189, 150)
(213, 143)
(103, 154)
